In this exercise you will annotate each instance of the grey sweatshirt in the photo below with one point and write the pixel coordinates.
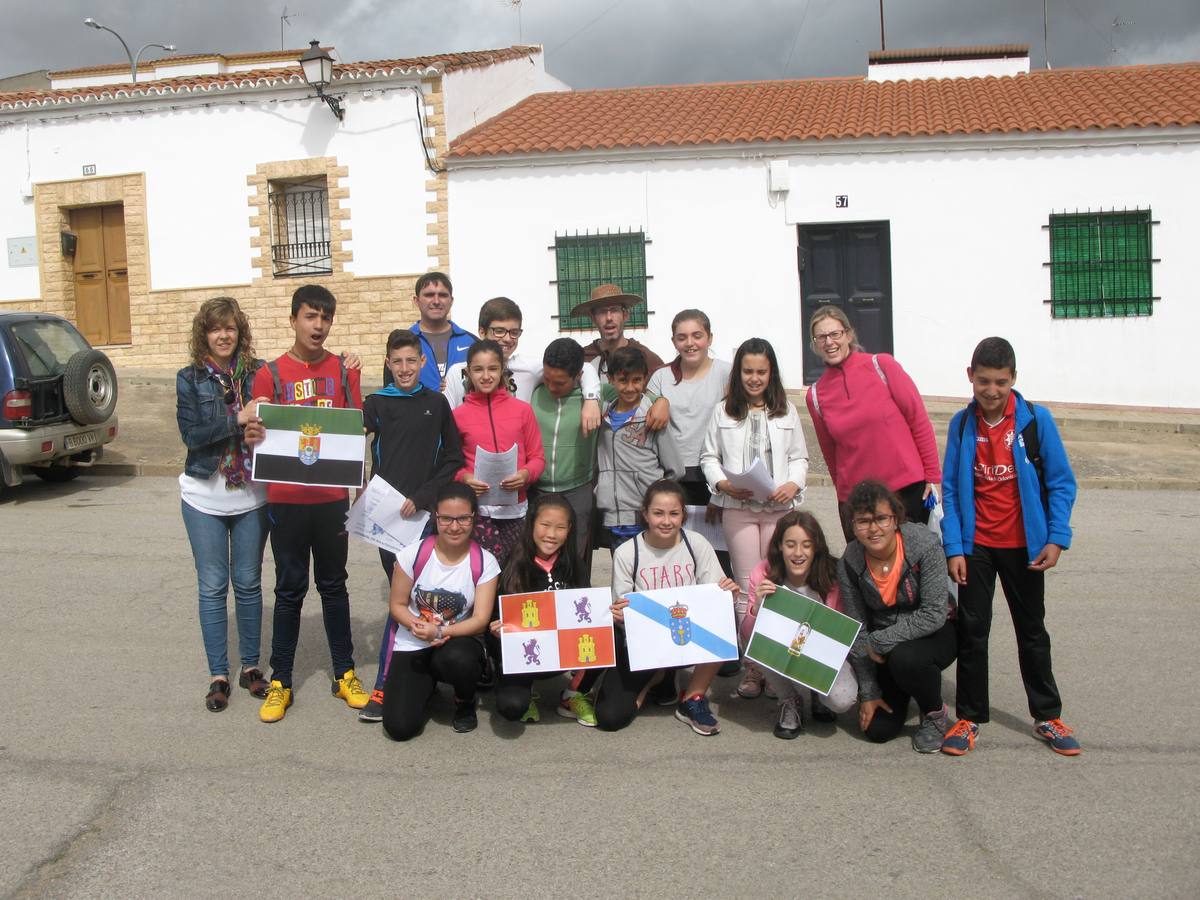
(922, 601)
(628, 461)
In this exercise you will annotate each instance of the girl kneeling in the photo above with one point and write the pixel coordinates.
(443, 591)
(543, 560)
(662, 556)
(798, 559)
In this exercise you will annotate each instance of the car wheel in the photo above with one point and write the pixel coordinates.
(57, 473)
(90, 387)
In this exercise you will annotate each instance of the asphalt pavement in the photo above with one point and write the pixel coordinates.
(115, 781)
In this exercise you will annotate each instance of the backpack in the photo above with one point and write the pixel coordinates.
(426, 550)
(812, 391)
(273, 365)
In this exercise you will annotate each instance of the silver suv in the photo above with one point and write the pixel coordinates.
(58, 399)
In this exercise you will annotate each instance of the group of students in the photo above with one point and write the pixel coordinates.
(615, 449)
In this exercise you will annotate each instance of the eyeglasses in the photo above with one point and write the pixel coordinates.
(880, 522)
(461, 521)
(834, 336)
(506, 332)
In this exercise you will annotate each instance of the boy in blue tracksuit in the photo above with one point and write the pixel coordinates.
(417, 449)
(1008, 492)
(442, 342)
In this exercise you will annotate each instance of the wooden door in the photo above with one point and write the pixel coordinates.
(849, 266)
(101, 274)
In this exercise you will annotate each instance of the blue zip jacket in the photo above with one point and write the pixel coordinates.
(1047, 516)
(456, 352)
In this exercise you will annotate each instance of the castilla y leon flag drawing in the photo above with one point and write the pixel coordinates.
(680, 627)
(801, 639)
(554, 630)
(314, 445)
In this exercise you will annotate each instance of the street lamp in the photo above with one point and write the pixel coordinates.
(317, 67)
(134, 58)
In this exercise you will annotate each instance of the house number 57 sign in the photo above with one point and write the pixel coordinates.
(841, 201)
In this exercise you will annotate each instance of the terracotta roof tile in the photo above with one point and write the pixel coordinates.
(833, 108)
(940, 54)
(182, 59)
(436, 64)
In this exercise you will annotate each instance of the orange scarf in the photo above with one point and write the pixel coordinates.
(890, 583)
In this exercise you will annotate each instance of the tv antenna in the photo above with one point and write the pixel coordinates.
(516, 4)
(1117, 22)
(285, 18)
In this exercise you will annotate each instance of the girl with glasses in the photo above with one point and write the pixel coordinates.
(893, 580)
(443, 591)
(870, 419)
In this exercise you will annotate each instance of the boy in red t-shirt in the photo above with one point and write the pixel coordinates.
(1008, 493)
(309, 520)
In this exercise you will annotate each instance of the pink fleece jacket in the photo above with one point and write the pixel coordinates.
(871, 429)
(833, 600)
(495, 422)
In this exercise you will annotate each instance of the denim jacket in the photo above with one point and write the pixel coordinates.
(204, 420)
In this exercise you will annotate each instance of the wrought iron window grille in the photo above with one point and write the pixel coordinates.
(300, 229)
(1101, 264)
(583, 261)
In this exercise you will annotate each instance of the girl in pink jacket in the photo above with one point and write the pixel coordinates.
(798, 559)
(492, 419)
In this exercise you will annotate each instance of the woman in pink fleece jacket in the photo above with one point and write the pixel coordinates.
(492, 419)
(798, 559)
(870, 419)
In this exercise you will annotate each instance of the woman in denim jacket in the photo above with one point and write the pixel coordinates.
(224, 511)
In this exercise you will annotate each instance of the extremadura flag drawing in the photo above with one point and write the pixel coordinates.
(801, 639)
(551, 631)
(313, 445)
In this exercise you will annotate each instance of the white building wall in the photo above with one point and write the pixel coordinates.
(996, 67)
(967, 253)
(196, 160)
(472, 96)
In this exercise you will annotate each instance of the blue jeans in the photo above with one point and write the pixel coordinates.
(225, 546)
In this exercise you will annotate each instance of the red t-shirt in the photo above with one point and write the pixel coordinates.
(998, 521)
(308, 384)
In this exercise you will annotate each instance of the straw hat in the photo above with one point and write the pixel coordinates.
(606, 295)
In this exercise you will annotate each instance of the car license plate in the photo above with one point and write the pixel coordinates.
(75, 441)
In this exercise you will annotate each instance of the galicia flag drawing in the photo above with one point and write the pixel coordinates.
(313, 445)
(680, 627)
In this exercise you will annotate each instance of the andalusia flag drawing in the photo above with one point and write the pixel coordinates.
(555, 630)
(801, 639)
(314, 445)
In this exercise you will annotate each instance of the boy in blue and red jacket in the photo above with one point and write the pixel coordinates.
(1008, 493)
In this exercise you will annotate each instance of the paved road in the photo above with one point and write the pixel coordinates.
(115, 782)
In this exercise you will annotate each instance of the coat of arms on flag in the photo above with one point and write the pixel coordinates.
(310, 444)
(801, 639)
(313, 445)
(680, 627)
(550, 631)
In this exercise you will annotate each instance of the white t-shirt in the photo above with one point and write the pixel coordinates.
(692, 403)
(443, 592)
(210, 495)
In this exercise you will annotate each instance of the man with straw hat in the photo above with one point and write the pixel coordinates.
(609, 308)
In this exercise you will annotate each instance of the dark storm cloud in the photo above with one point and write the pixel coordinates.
(605, 43)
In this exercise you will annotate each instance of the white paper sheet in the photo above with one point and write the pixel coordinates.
(756, 479)
(375, 517)
(714, 531)
(492, 468)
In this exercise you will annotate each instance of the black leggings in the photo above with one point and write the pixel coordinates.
(413, 676)
(513, 693)
(913, 670)
(616, 701)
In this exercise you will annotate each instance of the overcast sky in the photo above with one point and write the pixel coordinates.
(610, 43)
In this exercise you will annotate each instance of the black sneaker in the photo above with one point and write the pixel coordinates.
(665, 693)
(821, 712)
(730, 668)
(789, 727)
(465, 718)
(373, 711)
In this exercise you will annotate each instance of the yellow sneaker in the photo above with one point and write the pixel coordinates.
(350, 689)
(279, 698)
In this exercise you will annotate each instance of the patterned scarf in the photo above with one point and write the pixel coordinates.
(234, 463)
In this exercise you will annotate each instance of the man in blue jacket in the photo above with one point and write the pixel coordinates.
(443, 343)
(1008, 491)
